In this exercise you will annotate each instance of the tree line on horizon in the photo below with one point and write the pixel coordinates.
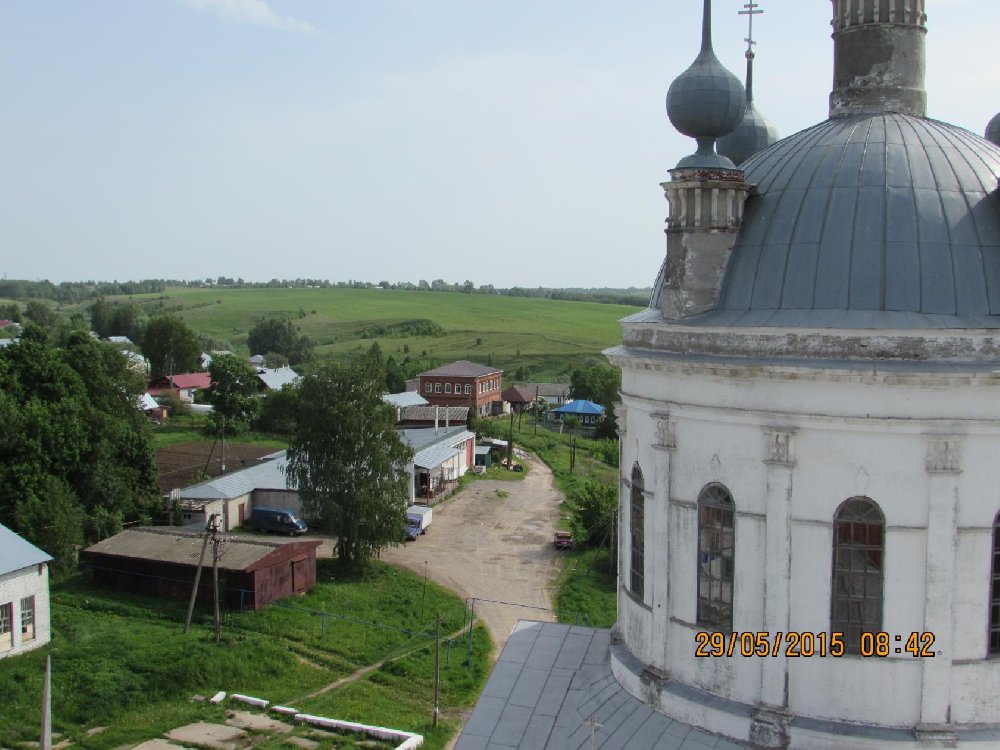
(69, 292)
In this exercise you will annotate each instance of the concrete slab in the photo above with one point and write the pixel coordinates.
(259, 722)
(217, 736)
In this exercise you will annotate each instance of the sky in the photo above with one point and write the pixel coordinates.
(514, 143)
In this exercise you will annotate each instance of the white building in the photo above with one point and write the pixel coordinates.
(24, 595)
(810, 419)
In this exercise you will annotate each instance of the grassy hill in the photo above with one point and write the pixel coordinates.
(548, 336)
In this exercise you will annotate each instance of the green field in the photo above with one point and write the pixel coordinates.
(547, 336)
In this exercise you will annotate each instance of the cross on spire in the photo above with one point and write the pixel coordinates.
(752, 9)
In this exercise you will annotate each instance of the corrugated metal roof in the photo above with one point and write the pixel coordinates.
(451, 414)
(184, 548)
(406, 398)
(17, 553)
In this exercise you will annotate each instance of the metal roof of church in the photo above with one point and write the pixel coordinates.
(872, 212)
(550, 681)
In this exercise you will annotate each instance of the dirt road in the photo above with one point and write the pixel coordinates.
(493, 541)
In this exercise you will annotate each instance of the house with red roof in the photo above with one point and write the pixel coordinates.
(184, 385)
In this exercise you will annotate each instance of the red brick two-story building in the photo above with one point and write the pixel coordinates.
(462, 383)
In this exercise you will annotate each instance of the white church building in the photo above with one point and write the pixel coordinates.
(810, 421)
(809, 517)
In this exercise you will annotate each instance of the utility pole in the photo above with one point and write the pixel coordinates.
(215, 578)
(197, 575)
(223, 443)
(437, 666)
(45, 741)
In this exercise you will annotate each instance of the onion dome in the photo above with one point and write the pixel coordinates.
(993, 130)
(706, 102)
(754, 134)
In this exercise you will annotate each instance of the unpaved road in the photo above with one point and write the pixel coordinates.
(493, 541)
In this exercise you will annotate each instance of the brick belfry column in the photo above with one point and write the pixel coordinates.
(943, 471)
(769, 726)
(706, 211)
(878, 57)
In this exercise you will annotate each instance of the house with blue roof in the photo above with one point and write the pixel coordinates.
(586, 411)
(24, 595)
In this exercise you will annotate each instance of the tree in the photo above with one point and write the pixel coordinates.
(600, 384)
(278, 410)
(76, 458)
(170, 346)
(281, 337)
(347, 461)
(233, 394)
(41, 314)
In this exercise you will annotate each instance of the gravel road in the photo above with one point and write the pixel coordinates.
(493, 540)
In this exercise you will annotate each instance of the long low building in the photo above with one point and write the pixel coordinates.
(163, 561)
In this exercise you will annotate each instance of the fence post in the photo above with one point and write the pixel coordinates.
(472, 618)
(322, 625)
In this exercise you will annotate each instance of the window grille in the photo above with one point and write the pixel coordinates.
(6, 631)
(28, 618)
(995, 591)
(858, 554)
(716, 557)
(637, 521)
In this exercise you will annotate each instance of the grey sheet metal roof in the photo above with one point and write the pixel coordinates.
(276, 377)
(419, 438)
(549, 680)
(453, 415)
(431, 458)
(269, 474)
(868, 214)
(406, 398)
(17, 553)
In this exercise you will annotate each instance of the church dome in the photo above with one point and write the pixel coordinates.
(993, 130)
(879, 220)
(751, 136)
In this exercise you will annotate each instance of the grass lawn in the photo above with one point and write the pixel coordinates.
(188, 428)
(547, 336)
(121, 661)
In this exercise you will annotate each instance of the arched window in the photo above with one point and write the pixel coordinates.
(858, 566)
(716, 557)
(637, 524)
(995, 590)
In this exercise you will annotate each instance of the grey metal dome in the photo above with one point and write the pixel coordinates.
(868, 221)
(754, 133)
(993, 130)
(706, 102)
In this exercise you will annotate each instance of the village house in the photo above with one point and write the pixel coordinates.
(184, 385)
(441, 456)
(463, 383)
(24, 595)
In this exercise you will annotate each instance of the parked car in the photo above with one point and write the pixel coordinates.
(277, 520)
(563, 540)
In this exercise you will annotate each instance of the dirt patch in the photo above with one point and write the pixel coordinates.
(182, 464)
(493, 541)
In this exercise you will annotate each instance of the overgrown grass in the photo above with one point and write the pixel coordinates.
(588, 584)
(192, 428)
(120, 660)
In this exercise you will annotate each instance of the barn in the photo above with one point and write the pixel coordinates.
(162, 561)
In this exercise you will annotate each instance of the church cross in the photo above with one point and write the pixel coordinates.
(752, 9)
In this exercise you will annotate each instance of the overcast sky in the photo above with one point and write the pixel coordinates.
(515, 142)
